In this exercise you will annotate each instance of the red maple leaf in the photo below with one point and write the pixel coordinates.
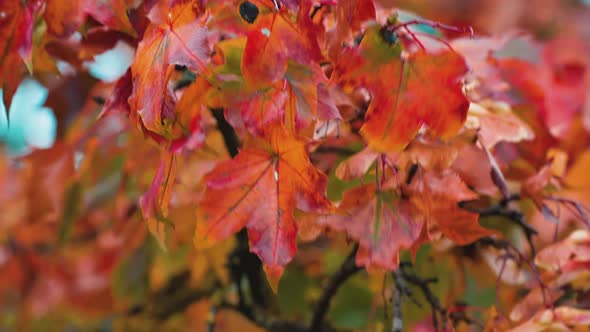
(65, 17)
(423, 90)
(382, 222)
(436, 196)
(17, 19)
(180, 39)
(259, 189)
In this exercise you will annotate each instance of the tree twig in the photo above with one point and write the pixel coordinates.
(173, 298)
(232, 143)
(516, 217)
(424, 286)
(519, 258)
(461, 316)
(342, 151)
(211, 318)
(400, 289)
(346, 270)
(403, 278)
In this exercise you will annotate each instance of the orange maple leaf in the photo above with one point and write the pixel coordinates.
(259, 189)
(436, 196)
(424, 89)
(271, 44)
(428, 92)
(182, 40)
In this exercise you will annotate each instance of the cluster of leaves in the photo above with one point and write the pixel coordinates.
(245, 128)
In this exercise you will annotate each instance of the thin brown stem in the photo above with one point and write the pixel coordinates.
(346, 270)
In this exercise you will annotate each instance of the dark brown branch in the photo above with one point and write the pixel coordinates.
(400, 289)
(403, 278)
(188, 77)
(278, 325)
(336, 150)
(346, 270)
(315, 10)
(173, 298)
(516, 217)
(424, 286)
(232, 143)
(461, 316)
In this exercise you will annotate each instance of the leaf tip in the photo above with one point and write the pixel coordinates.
(273, 275)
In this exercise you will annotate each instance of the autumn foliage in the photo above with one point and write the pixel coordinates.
(299, 165)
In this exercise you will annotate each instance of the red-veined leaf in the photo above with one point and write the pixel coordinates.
(180, 40)
(259, 189)
(383, 224)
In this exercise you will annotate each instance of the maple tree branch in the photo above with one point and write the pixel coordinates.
(513, 253)
(315, 10)
(230, 138)
(400, 289)
(187, 78)
(173, 298)
(285, 326)
(461, 316)
(346, 270)
(424, 286)
(342, 151)
(402, 278)
(516, 217)
(271, 323)
(245, 265)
